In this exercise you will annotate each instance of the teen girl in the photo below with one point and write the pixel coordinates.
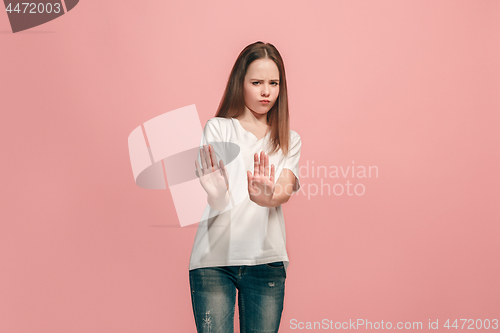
(244, 248)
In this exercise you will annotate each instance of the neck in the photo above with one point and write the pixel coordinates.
(253, 117)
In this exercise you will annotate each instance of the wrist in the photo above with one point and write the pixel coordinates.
(271, 203)
(265, 202)
(219, 202)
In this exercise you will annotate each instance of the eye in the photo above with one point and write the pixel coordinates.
(275, 83)
(255, 82)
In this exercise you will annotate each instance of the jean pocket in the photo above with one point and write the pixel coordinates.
(275, 264)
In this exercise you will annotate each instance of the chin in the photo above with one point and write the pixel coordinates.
(261, 110)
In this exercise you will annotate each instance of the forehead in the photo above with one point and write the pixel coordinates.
(263, 68)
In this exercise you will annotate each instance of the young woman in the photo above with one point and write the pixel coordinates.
(244, 248)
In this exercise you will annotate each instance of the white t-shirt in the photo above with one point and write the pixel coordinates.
(245, 233)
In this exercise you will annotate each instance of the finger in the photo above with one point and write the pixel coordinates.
(222, 166)
(261, 164)
(272, 173)
(213, 157)
(224, 174)
(203, 159)
(207, 157)
(249, 178)
(256, 166)
(266, 165)
(198, 169)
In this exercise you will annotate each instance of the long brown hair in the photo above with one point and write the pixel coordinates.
(232, 103)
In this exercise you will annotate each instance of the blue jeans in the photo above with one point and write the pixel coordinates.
(261, 290)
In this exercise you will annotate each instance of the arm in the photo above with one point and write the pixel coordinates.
(283, 189)
(219, 203)
(213, 176)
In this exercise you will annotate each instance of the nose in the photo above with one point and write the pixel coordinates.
(265, 90)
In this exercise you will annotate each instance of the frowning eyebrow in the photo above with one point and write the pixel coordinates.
(263, 80)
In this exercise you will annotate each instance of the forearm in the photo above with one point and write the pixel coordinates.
(280, 196)
(219, 203)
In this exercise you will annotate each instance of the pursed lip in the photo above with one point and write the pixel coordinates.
(265, 100)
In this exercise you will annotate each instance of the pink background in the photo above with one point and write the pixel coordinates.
(411, 87)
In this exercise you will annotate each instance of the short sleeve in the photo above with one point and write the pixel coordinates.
(212, 134)
(292, 160)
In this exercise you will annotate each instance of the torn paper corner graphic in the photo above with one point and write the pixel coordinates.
(169, 145)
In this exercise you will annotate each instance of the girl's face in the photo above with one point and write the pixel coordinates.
(261, 84)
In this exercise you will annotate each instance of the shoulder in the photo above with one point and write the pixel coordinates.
(295, 143)
(294, 136)
(219, 122)
(219, 128)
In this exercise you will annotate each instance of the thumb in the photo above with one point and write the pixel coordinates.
(224, 173)
(249, 177)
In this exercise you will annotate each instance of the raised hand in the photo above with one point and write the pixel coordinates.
(212, 175)
(261, 183)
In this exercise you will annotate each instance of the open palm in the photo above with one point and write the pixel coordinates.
(261, 183)
(213, 175)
